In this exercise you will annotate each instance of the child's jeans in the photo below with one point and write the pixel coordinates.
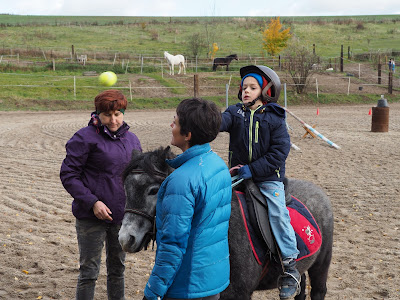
(279, 218)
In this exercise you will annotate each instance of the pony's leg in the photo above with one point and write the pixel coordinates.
(318, 275)
(172, 69)
(180, 68)
(302, 295)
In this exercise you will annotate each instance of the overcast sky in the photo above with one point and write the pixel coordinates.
(201, 8)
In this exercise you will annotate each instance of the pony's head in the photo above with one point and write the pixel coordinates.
(142, 179)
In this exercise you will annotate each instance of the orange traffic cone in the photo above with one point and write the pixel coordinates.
(370, 112)
(317, 111)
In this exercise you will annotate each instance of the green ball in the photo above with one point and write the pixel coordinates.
(107, 78)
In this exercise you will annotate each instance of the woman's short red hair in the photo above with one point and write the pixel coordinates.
(110, 100)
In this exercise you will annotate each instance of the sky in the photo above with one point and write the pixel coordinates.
(200, 8)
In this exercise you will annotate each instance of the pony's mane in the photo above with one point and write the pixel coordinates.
(150, 162)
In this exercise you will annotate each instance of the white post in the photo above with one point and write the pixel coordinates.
(284, 89)
(359, 71)
(348, 88)
(196, 63)
(226, 94)
(115, 58)
(74, 88)
(141, 66)
(126, 69)
(130, 89)
(316, 84)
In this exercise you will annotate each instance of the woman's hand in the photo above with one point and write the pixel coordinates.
(101, 211)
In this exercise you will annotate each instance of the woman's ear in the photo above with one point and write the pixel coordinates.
(188, 137)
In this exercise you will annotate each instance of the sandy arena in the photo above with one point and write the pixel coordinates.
(38, 248)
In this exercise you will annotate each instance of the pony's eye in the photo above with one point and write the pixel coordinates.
(153, 191)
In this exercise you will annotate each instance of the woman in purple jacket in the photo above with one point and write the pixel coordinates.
(91, 173)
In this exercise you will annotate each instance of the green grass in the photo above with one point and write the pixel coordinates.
(36, 38)
(152, 35)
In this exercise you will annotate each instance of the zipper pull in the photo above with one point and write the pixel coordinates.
(277, 172)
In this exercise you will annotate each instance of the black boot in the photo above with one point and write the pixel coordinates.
(289, 282)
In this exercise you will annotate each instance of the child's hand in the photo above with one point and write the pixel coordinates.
(234, 170)
(244, 172)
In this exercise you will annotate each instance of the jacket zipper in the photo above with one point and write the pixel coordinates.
(257, 128)
(251, 134)
(252, 112)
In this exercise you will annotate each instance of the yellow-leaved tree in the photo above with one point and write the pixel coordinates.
(214, 50)
(275, 39)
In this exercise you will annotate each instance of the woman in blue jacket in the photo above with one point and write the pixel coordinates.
(193, 211)
(91, 173)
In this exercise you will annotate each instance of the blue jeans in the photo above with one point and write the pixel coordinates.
(279, 218)
(91, 236)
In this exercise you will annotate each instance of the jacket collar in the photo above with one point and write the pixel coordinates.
(193, 151)
(95, 122)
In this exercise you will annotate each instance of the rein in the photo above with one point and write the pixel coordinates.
(160, 176)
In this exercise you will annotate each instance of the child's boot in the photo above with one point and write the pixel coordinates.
(290, 280)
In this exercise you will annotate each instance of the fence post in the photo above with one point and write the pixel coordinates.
(196, 85)
(341, 60)
(74, 87)
(226, 94)
(379, 72)
(348, 88)
(130, 90)
(390, 84)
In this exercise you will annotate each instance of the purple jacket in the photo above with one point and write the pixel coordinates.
(92, 168)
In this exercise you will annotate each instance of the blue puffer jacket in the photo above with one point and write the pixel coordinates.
(258, 138)
(193, 211)
(92, 168)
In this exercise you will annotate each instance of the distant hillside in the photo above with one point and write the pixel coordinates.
(153, 35)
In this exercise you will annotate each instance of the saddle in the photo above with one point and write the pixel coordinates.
(254, 210)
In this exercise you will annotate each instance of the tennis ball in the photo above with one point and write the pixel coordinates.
(107, 78)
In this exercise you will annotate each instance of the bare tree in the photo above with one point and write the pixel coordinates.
(300, 63)
(196, 44)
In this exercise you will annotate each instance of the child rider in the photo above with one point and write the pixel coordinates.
(259, 144)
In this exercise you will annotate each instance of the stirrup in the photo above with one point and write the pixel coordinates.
(298, 288)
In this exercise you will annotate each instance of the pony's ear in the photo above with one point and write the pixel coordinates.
(167, 153)
(135, 152)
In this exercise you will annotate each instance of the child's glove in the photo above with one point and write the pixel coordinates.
(244, 172)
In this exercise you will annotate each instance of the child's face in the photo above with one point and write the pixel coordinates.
(250, 90)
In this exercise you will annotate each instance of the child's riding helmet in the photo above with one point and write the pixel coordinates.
(273, 82)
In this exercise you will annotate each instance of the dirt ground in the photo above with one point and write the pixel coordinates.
(38, 248)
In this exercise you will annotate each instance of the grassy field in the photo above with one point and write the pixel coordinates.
(153, 35)
(29, 44)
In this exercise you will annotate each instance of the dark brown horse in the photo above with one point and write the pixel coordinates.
(224, 61)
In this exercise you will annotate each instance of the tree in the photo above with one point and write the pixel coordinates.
(196, 44)
(214, 50)
(275, 40)
(301, 64)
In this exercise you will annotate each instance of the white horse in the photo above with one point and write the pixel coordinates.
(175, 60)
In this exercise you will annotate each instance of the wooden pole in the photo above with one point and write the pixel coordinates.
(196, 85)
(379, 71)
(390, 84)
(341, 60)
